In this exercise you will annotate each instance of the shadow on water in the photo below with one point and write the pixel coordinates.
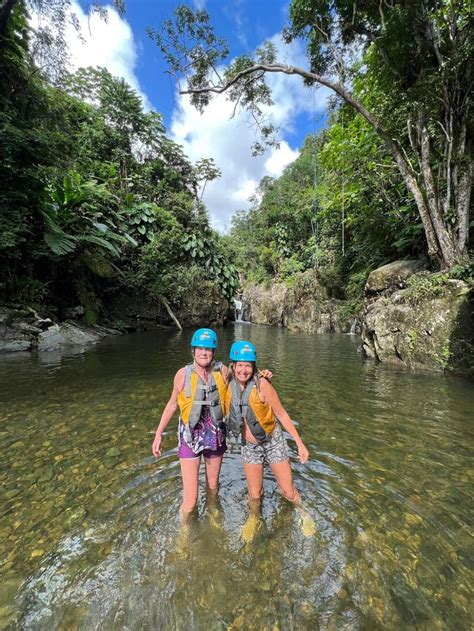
(90, 534)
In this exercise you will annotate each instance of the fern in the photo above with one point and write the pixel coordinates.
(56, 239)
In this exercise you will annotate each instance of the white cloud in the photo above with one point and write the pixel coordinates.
(106, 43)
(228, 141)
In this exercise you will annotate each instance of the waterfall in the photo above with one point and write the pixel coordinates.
(354, 330)
(239, 310)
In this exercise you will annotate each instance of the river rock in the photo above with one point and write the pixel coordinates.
(265, 304)
(392, 276)
(14, 330)
(74, 313)
(113, 452)
(23, 328)
(427, 331)
(11, 346)
(305, 306)
(72, 334)
(51, 339)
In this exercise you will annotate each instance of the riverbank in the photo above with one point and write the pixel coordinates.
(410, 317)
(26, 327)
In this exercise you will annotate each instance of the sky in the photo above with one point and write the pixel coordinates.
(122, 46)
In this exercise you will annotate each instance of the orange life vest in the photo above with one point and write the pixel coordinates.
(246, 405)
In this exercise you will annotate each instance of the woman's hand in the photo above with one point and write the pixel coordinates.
(156, 447)
(266, 374)
(303, 453)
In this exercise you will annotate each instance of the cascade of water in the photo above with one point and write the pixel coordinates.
(239, 310)
(353, 329)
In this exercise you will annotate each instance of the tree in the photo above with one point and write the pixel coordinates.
(48, 42)
(206, 171)
(93, 190)
(419, 53)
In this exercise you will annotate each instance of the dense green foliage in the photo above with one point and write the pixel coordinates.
(405, 67)
(341, 208)
(95, 197)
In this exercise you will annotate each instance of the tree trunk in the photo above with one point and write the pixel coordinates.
(5, 11)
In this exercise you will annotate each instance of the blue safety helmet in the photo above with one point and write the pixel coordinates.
(204, 338)
(243, 351)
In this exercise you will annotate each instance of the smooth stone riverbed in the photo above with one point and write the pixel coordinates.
(90, 534)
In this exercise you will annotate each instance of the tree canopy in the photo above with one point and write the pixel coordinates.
(415, 56)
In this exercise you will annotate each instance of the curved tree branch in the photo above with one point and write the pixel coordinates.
(406, 170)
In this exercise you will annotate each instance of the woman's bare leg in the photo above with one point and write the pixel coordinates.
(190, 475)
(282, 472)
(284, 477)
(213, 469)
(254, 476)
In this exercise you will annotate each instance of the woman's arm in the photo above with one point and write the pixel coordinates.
(170, 409)
(269, 395)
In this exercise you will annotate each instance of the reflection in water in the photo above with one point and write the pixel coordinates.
(90, 532)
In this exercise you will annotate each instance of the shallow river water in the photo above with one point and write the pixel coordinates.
(90, 535)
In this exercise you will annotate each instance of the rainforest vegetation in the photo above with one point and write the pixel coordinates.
(393, 168)
(95, 197)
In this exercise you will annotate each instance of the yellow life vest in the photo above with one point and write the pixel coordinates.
(196, 394)
(245, 405)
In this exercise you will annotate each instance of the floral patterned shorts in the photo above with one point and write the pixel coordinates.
(272, 450)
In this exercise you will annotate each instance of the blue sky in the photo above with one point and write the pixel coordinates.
(123, 46)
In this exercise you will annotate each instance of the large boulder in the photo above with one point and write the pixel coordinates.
(265, 305)
(392, 276)
(19, 327)
(23, 328)
(303, 307)
(422, 329)
(308, 307)
(71, 334)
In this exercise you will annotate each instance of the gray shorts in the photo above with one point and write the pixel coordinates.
(273, 450)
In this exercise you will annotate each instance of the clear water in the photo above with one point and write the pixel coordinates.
(90, 535)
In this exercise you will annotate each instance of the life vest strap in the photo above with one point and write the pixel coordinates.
(216, 367)
(207, 402)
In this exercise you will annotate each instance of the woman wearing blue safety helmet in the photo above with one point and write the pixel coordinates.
(254, 411)
(198, 391)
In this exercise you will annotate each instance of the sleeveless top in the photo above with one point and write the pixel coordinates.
(205, 434)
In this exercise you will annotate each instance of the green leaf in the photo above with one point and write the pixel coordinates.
(101, 227)
(60, 243)
(103, 243)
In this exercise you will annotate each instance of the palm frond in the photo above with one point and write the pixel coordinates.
(60, 243)
(103, 243)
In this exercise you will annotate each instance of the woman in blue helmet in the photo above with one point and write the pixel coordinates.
(254, 412)
(199, 392)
